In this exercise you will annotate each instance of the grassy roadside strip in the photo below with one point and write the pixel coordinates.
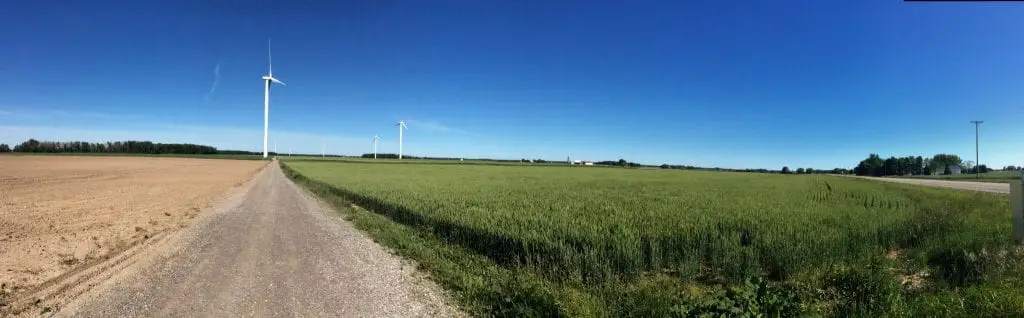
(479, 285)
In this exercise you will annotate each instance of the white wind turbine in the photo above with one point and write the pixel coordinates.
(266, 96)
(375, 139)
(401, 125)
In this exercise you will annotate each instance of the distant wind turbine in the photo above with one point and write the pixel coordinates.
(266, 96)
(375, 139)
(401, 125)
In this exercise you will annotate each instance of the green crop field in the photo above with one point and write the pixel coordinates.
(583, 241)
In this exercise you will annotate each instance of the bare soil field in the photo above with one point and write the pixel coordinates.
(60, 213)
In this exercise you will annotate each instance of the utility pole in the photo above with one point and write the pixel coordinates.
(977, 162)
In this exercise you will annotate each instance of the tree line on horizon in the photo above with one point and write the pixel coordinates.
(624, 163)
(943, 164)
(129, 146)
(874, 165)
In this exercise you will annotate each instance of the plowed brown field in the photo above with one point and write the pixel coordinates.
(61, 212)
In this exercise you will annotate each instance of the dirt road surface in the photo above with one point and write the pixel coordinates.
(271, 250)
(962, 185)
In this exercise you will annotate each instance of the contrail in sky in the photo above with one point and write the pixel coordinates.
(216, 78)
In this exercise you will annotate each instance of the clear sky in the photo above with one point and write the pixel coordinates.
(738, 84)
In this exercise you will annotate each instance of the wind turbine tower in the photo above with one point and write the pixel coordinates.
(400, 125)
(375, 139)
(269, 78)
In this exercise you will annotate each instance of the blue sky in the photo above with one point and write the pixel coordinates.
(738, 84)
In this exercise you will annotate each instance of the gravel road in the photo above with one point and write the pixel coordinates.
(271, 250)
(963, 185)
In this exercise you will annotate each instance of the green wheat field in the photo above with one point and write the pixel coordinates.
(589, 241)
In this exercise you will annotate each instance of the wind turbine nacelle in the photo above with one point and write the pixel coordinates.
(266, 78)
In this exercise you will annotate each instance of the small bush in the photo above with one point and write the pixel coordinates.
(754, 298)
(868, 290)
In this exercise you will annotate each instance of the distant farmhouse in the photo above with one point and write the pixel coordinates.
(582, 163)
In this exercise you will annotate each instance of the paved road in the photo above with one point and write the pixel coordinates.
(276, 252)
(964, 185)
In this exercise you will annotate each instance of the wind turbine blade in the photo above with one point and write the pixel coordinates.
(270, 60)
(277, 81)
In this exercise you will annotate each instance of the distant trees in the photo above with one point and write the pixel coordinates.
(388, 156)
(680, 167)
(1011, 168)
(243, 152)
(785, 170)
(404, 156)
(141, 147)
(840, 171)
(983, 168)
(910, 165)
(620, 163)
(816, 171)
(872, 166)
(943, 162)
(4, 148)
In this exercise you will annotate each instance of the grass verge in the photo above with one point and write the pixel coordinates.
(481, 286)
